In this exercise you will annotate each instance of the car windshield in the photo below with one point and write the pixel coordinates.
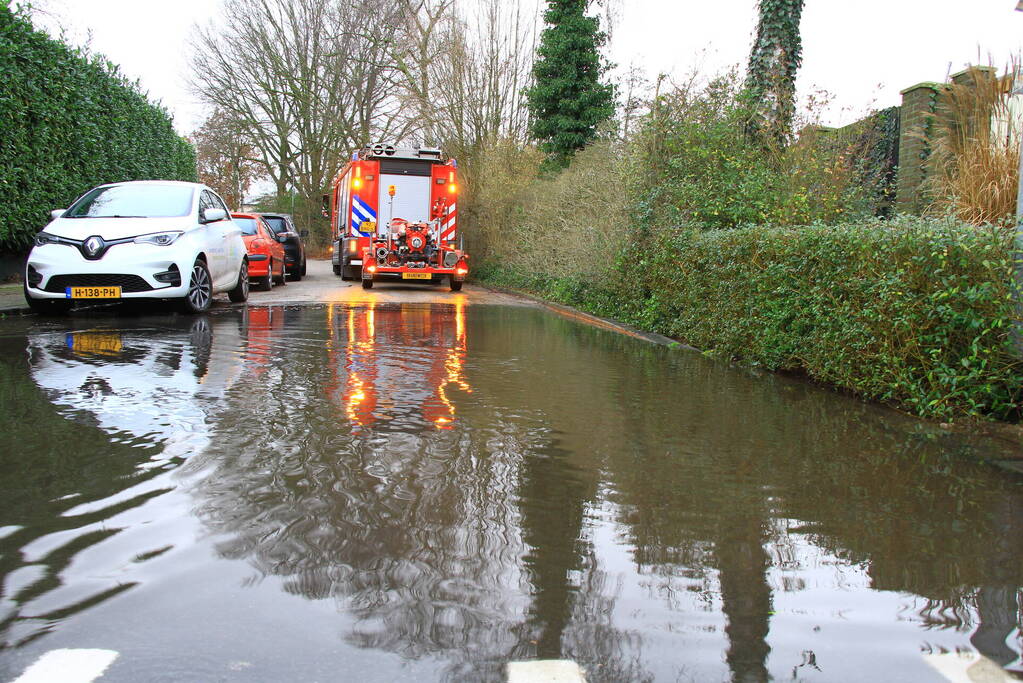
(278, 224)
(248, 225)
(134, 201)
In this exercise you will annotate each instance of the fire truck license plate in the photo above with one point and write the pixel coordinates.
(416, 276)
(93, 292)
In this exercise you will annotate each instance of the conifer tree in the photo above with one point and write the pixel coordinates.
(568, 100)
(771, 76)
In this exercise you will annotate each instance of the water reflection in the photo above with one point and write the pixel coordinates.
(414, 357)
(93, 418)
(473, 486)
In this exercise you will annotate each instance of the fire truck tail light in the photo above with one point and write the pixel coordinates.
(452, 188)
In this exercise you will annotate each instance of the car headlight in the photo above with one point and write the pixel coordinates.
(160, 239)
(44, 238)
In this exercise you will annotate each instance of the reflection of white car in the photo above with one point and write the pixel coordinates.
(135, 240)
(163, 382)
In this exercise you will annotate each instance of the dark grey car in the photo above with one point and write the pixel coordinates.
(294, 250)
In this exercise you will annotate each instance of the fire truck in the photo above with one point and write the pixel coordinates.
(393, 214)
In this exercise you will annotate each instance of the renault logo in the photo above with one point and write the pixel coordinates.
(93, 247)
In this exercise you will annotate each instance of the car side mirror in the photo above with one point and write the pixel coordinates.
(57, 213)
(303, 233)
(212, 215)
(281, 237)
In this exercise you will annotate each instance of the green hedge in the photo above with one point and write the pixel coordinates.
(68, 123)
(912, 312)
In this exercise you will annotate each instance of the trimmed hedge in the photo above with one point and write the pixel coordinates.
(918, 313)
(68, 123)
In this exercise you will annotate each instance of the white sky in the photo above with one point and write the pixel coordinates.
(861, 51)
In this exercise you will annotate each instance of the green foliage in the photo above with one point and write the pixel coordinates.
(771, 75)
(875, 156)
(918, 313)
(568, 101)
(68, 123)
(695, 167)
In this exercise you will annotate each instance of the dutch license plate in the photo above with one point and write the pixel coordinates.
(93, 292)
(95, 342)
(417, 276)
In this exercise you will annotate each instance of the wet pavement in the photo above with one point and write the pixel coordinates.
(428, 491)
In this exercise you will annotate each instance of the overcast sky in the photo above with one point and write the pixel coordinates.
(861, 51)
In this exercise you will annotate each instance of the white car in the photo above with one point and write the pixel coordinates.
(151, 239)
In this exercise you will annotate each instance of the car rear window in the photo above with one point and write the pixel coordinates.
(133, 201)
(248, 225)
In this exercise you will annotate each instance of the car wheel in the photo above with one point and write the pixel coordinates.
(367, 284)
(47, 306)
(266, 283)
(338, 270)
(200, 289)
(282, 279)
(296, 273)
(240, 293)
(303, 266)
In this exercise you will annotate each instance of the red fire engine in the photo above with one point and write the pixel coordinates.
(393, 214)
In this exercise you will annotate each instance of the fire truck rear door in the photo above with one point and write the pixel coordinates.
(411, 201)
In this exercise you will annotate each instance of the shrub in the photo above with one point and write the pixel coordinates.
(571, 224)
(915, 312)
(68, 123)
(698, 169)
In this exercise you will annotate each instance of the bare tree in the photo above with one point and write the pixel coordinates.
(308, 79)
(489, 70)
(225, 158)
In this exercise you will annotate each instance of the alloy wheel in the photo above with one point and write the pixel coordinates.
(199, 289)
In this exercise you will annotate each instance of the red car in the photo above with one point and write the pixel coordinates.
(266, 253)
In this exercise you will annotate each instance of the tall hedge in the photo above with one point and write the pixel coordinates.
(69, 122)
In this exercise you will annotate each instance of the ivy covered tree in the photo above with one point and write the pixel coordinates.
(771, 77)
(568, 100)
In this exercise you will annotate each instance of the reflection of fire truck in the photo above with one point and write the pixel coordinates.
(372, 379)
(393, 214)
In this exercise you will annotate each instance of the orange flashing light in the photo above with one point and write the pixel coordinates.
(372, 268)
(452, 188)
(357, 179)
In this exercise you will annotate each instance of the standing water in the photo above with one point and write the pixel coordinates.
(403, 492)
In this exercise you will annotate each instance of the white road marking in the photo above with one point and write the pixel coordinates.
(68, 666)
(967, 667)
(545, 671)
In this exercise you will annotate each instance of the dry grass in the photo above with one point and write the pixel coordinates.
(976, 149)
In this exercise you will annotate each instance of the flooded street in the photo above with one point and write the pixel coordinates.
(383, 491)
